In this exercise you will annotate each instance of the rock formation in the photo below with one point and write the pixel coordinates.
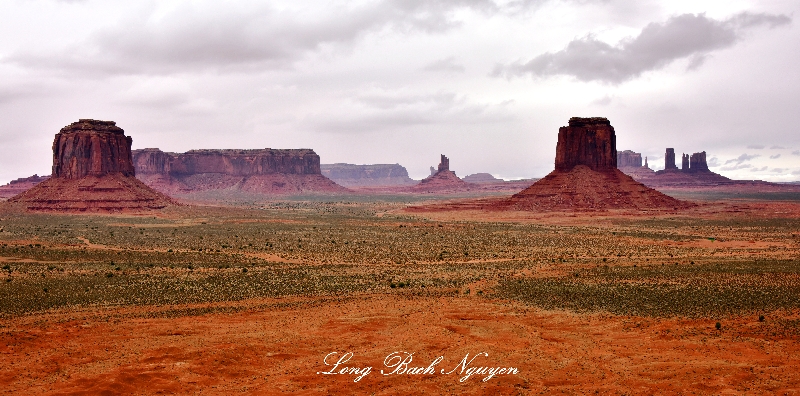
(586, 141)
(263, 171)
(697, 163)
(92, 171)
(586, 176)
(669, 159)
(350, 175)
(444, 180)
(630, 163)
(684, 163)
(21, 185)
(481, 178)
(629, 159)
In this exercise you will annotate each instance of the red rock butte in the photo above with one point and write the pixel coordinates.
(586, 175)
(443, 180)
(92, 171)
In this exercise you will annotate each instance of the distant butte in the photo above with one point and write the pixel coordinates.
(443, 180)
(92, 171)
(586, 175)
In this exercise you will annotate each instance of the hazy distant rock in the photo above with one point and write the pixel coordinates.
(20, 185)
(350, 175)
(481, 178)
(261, 171)
(630, 163)
(92, 171)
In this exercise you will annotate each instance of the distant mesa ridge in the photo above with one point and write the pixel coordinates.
(351, 175)
(92, 171)
(259, 171)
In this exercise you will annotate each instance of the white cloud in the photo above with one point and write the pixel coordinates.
(659, 44)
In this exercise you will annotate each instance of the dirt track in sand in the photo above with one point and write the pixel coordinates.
(276, 346)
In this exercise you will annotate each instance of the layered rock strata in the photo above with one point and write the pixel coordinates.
(350, 175)
(586, 176)
(92, 171)
(260, 172)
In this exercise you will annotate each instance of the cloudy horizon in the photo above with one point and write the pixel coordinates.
(485, 82)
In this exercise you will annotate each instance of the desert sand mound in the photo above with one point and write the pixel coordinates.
(108, 193)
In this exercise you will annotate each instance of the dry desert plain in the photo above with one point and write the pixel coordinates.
(251, 299)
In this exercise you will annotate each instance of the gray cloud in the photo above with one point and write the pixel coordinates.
(776, 156)
(762, 169)
(777, 148)
(796, 152)
(237, 36)
(756, 146)
(777, 170)
(742, 158)
(713, 162)
(445, 65)
(658, 44)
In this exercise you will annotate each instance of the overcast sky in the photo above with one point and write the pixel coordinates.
(486, 82)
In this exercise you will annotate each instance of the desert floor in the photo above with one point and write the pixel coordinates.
(251, 299)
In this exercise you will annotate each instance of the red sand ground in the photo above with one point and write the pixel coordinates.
(278, 346)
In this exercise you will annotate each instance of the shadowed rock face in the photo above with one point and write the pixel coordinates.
(91, 148)
(669, 159)
(586, 141)
(444, 164)
(697, 162)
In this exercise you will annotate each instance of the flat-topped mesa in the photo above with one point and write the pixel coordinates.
(351, 175)
(91, 148)
(444, 164)
(697, 162)
(228, 162)
(629, 159)
(669, 159)
(586, 141)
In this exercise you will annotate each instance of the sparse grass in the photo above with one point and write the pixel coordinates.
(648, 267)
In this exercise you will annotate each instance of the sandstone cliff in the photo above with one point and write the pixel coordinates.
(262, 171)
(91, 147)
(586, 141)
